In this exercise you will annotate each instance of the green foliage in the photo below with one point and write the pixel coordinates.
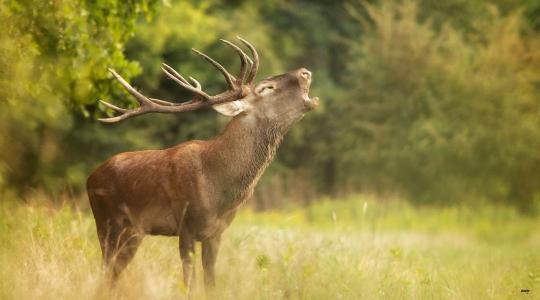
(435, 101)
(441, 116)
(54, 57)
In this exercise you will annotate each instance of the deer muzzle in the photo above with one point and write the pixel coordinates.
(305, 81)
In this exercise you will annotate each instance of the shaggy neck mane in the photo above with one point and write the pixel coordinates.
(242, 152)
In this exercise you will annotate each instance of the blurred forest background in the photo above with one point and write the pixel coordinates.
(437, 102)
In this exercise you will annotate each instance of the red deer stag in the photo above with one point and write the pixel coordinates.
(193, 190)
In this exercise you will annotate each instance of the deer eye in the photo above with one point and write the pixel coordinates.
(265, 89)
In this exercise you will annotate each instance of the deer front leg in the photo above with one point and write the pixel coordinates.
(209, 254)
(187, 252)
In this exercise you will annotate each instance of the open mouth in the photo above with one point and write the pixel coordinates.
(309, 103)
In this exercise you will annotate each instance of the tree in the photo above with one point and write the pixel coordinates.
(53, 59)
(443, 117)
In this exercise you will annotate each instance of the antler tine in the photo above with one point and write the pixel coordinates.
(186, 85)
(228, 77)
(113, 107)
(145, 104)
(244, 59)
(140, 97)
(175, 73)
(255, 66)
(167, 103)
(197, 84)
(118, 118)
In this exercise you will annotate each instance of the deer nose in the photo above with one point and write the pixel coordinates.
(304, 73)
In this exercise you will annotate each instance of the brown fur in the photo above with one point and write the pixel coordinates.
(194, 189)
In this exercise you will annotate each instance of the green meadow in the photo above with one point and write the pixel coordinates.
(355, 248)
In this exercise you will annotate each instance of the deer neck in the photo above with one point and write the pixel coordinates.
(242, 152)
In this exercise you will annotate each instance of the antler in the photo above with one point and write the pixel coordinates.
(236, 87)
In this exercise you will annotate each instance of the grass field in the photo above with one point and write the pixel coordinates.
(353, 249)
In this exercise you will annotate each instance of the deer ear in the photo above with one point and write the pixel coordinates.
(232, 108)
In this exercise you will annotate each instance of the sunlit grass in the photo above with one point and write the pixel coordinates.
(355, 249)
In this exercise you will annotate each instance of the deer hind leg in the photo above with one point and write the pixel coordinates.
(119, 243)
(187, 253)
(210, 249)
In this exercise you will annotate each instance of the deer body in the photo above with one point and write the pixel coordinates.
(193, 190)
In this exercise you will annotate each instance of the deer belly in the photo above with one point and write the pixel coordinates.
(204, 228)
(159, 222)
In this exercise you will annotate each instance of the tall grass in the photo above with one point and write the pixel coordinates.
(353, 249)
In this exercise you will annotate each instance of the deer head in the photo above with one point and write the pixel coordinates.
(281, 99)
